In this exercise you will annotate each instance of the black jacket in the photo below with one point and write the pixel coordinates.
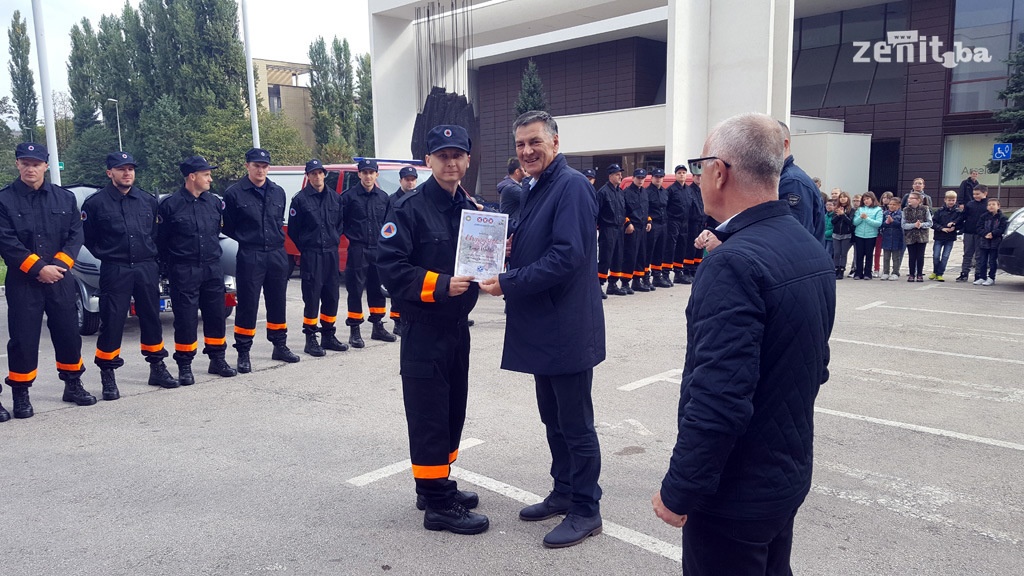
(362, 213)
(510, 196)
(966, 193)
(314, 220)
(611, 204)
(38, 228)
(994, 224)
(973, 211)
(943, 218)
(842, 224)
(678, 204)
(255, 217)
(120, 227)
(636, 206)
(188, 228)
(657, 202)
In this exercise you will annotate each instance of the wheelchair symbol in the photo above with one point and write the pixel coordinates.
(1001, 151)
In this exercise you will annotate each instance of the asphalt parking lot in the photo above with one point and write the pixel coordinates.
(302, 469)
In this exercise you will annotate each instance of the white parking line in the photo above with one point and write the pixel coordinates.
(619, 532)
(924, 429)
(398, 467)
(671, 376)
(928, 287)
(872, 305)
(931, 311)
(925, 351)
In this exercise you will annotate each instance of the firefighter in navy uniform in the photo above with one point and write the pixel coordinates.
(119, 224)
(407, 177)
(188, 239)
(40, 236)
(314, 225)
(610, 218)
(696, 223)
(677, 213)
(637, 226)
(363, 207)
(254, 216)
(417, 263)
(657, 201)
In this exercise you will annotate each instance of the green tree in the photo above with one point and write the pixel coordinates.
(23, 87)
(7, 142)
(63, 122)
(364, 114)
(86, 158)
(531, 94)
(345, 94)
(167, 143)
(1013, 115)
(320, 91)
(82, 75)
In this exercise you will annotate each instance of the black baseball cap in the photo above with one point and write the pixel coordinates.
(257, 155)
(314, 164)
(639, 173)
(115, 159)
(590, 173)
(448, 136)
(408, 172)
(613, 168)
(680, 167)
(366, 164)
(657, 173)
(32, 150)
(194, 164)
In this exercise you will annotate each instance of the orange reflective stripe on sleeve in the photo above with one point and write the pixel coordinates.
(107, 355)
(65, 259)
(380, 311)
(429, 285)
(21, 376)
(28, 263)
(152, 347)
(186, 347)
(308, 321)
(71, 367)
(246, 331)
(453, 456)
(355, 315)
(430, 472)
(272, 326)
(214, 341)
(328, 319)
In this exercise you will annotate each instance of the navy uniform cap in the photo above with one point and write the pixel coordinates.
(680, 167)
(194, 164)
(32, 150)
(639, 173)
(448, 136)
(590, 173)
(367, 164)
(115, 159)
(257, 155)
(314, 164)
(657, 173)
(408, 172)
(613, 168)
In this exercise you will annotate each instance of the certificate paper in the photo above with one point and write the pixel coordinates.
(481, 249)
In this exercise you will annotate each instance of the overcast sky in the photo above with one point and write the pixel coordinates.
(280, 30)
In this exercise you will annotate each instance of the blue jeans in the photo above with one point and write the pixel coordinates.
(940, 255)
(828, 247)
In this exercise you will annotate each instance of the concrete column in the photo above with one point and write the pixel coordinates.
(393, 42)
(686, 90)
(782, 61)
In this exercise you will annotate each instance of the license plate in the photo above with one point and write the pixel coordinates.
(165, 304)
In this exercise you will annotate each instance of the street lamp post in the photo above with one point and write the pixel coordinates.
(117, 110)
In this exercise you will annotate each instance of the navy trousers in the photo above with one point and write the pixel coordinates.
(715, 546)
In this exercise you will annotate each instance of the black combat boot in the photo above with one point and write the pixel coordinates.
(839, 273)
(661, 280)
(284, 354)
(666, 275)
(614, 290)
(159, 376)
(220, 367)
(109, 382)
(355, 338)
(313, 346)
(22, 405)
(687, 277)
(679, 278)
(73, 392)
(381, 333)
(647, 282)
(454, 517)
(244, 364)
(625, 288)
(185, 376)
(4, 414)
(331, 342)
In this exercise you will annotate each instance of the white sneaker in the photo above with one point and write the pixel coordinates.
(885, 276)
(978, 282)
(988, 282)
(894, 277)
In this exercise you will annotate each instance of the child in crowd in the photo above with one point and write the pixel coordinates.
(842, 232)
(917, 220)
(866, 221)
(944, 222)
(856, 205)
(969, 218)
(891, 233)
(830, 208)
(990, 232)
(883, 203)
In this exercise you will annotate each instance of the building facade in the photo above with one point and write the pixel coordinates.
(284, 87)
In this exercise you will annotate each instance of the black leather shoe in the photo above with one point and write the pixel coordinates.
(961, 278)
(661, 281)
(220, 367)
(638, 286)
(109, 383)
(626, 289)
(678, 279)
(550, 507)
(573, 530)
(22, 404)
(614, 290)
(185, 376)
(455, 518)
(244, 364)
(468, 499)
(687, 279)
(331, 342)
(355, 338)
(73, 392)
(648, 284)
(4, 414)
(282, 353)
(381, 333)
(159, 376)
(313, 347)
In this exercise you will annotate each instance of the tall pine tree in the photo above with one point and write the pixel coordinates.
(1013, 114)
(345, 95)
(82, 75)
(531, 94)
(364, 114)
(23, 84)
(320, 91)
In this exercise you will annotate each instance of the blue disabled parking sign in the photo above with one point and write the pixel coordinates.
(1002, 151)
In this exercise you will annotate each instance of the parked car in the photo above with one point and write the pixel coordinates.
(340, 177)
(87, 276)
(1011, 249)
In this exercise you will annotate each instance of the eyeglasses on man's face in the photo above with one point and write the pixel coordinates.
(697, 164)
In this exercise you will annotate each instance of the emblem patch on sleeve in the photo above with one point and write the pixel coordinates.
(292, 212)
(388, 230)
(84, 215)
(794, 199)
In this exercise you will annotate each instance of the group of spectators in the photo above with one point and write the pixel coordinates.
(881, 230)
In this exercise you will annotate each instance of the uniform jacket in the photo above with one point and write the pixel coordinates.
(892, 234)
(804, 199)
(842, 225)
(994, 223)
(911, 233)
(254, 217)
(416, 254)
(314, 220)
(120, 227)
(695, 201)
(510, 194)
(636, 206)
(362, 214)
(38, 228)
(943, 218)
(973, 211)
(554, 322)
(867, 227)
(758, 322)
(677, 207)
(611, 208)
(657, 202)
(188, 228)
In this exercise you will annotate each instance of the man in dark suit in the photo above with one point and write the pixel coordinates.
(555, 323)
(742, 462)
(510, 193)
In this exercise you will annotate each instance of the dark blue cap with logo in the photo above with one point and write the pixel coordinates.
(257, 155)
(115, 159)
(448, 136)
(680, 167)
(32, 150)
(194, 164)
(314, 164)
(613, 168)
(408, 172)
(657, 173)
(367, 164)
(590, 173)
(639, 173)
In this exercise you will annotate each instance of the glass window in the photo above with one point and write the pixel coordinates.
(981, 24)
(890, 83)
(864, 24)
(811, 77)
(851, 80)
(818, 31)
(895, 16)
(967, 152)
(974, 96)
